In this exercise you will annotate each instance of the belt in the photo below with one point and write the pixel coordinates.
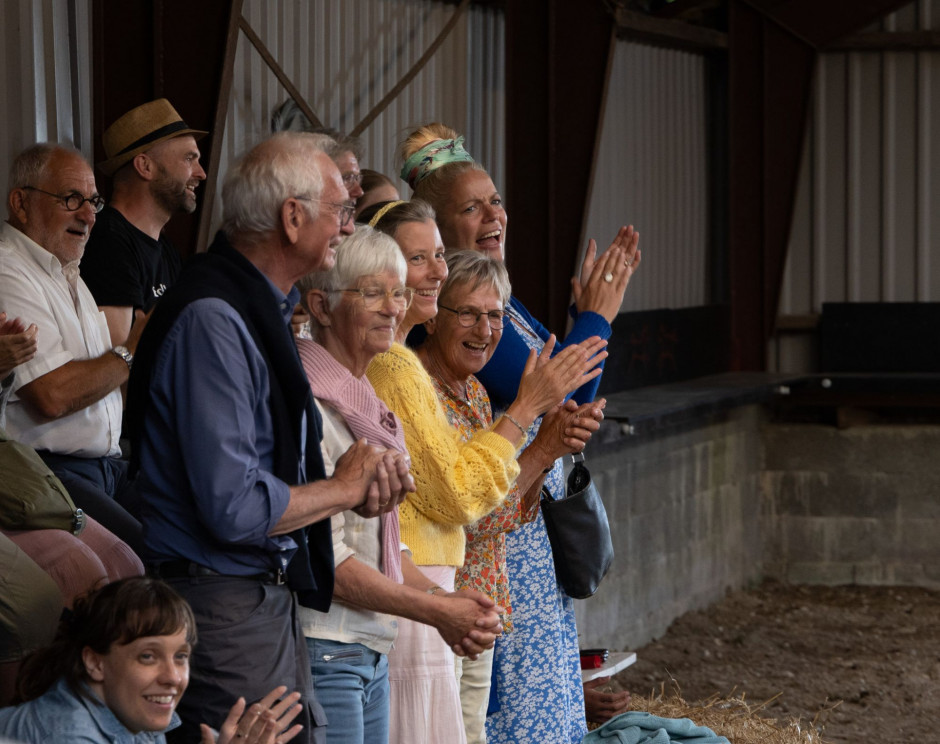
(188, 570)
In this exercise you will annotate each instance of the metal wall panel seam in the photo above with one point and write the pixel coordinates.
(924, 196)
(818, 210)
(853, 193)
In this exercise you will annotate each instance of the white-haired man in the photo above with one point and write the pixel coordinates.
(227, 437)
(66, 400)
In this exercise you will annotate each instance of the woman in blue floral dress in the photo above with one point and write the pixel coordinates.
(536, 668)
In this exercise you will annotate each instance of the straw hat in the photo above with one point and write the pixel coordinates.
(140, 129)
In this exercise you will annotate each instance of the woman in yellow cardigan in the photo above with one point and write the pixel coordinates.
(457, 482)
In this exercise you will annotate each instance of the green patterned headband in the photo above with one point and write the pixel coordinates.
(431, 157)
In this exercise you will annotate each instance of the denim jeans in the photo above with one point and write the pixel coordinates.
(351, 683)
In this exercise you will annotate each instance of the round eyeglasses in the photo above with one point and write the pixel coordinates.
(74, 201)
(344, 211)
(374, 298)
(469, 318)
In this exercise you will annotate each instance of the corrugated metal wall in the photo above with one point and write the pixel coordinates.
(651, 172)
(45, 81)
(344, 57)
(866, 226)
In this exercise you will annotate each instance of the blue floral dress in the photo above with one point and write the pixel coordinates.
(537, 666)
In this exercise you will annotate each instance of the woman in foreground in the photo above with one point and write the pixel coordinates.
(116, 670)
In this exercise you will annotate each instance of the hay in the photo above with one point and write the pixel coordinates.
(733, 717)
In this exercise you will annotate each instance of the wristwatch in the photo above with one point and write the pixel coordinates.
(123, 352)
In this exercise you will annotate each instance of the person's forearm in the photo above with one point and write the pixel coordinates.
(318, 500)
(532, 465)
(363, 586)
(119, 320)
(75, 385)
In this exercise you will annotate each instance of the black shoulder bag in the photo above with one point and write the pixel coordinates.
(579, 532)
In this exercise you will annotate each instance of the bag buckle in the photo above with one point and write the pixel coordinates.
(78, 522)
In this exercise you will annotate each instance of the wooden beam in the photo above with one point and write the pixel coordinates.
(219, 115)
(279, 73)
(796, 323)
(887, 41)
(410, 75)
(665, 32)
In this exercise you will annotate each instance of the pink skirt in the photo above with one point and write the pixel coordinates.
(425, 698)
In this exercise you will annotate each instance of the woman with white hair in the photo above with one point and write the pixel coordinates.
(458, 481)
(355, 309)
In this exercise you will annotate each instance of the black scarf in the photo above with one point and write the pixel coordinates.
(226, 274)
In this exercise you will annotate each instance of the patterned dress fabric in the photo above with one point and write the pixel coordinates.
(537, 667)
(484, 567)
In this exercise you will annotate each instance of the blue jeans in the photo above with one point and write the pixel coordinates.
(351, 683)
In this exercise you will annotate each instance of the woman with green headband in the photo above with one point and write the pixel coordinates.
(540, 697)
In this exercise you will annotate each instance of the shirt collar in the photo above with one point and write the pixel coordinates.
(24, 244)
(286, 303)
(108, 723)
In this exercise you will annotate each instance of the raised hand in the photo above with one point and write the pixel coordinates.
(17, 343)
(266, 722)
(567, 428)
(603, 280)
(546, 380)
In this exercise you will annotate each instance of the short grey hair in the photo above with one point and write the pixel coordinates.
(29, 167)
(364, 253)
(473, 269)
(282, 166)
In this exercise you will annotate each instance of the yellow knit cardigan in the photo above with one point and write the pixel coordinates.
(457, 482)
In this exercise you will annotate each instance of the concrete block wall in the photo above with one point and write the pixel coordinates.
(685, 511)
(858, 505)
(703, 509)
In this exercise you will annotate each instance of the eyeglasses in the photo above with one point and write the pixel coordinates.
(469, 318)
(74, 201)
(350, 178)
(345, 211)
(374, 298)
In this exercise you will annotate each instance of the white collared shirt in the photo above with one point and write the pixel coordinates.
(33, 287)
(352, 536)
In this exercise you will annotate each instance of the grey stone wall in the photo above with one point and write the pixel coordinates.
(858, 505)
(700, 510)
(685, 513)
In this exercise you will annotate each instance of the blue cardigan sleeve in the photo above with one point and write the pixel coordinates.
(502, 373)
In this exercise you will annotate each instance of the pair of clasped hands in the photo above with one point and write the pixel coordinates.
(472, 621)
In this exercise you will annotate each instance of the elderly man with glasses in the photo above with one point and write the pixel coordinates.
(66, 402)
(235, 500)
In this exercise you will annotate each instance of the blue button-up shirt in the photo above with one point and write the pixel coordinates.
(206, 456)
(60, 715)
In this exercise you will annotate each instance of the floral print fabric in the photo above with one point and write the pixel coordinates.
(484, 567)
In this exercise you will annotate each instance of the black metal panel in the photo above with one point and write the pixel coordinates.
(880, 337)
(659, 346)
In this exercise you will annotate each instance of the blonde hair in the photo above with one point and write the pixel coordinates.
(435, 188)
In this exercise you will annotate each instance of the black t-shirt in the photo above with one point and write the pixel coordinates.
(124, 267)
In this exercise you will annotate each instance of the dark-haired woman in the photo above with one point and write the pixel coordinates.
(116, 670)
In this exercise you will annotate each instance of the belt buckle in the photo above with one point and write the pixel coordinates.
(279, 578)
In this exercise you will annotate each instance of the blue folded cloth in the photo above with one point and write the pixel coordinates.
(636, 727)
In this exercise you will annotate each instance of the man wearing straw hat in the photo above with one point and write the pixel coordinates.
(154, 162)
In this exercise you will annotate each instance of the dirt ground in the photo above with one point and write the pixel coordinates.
(875, 649)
